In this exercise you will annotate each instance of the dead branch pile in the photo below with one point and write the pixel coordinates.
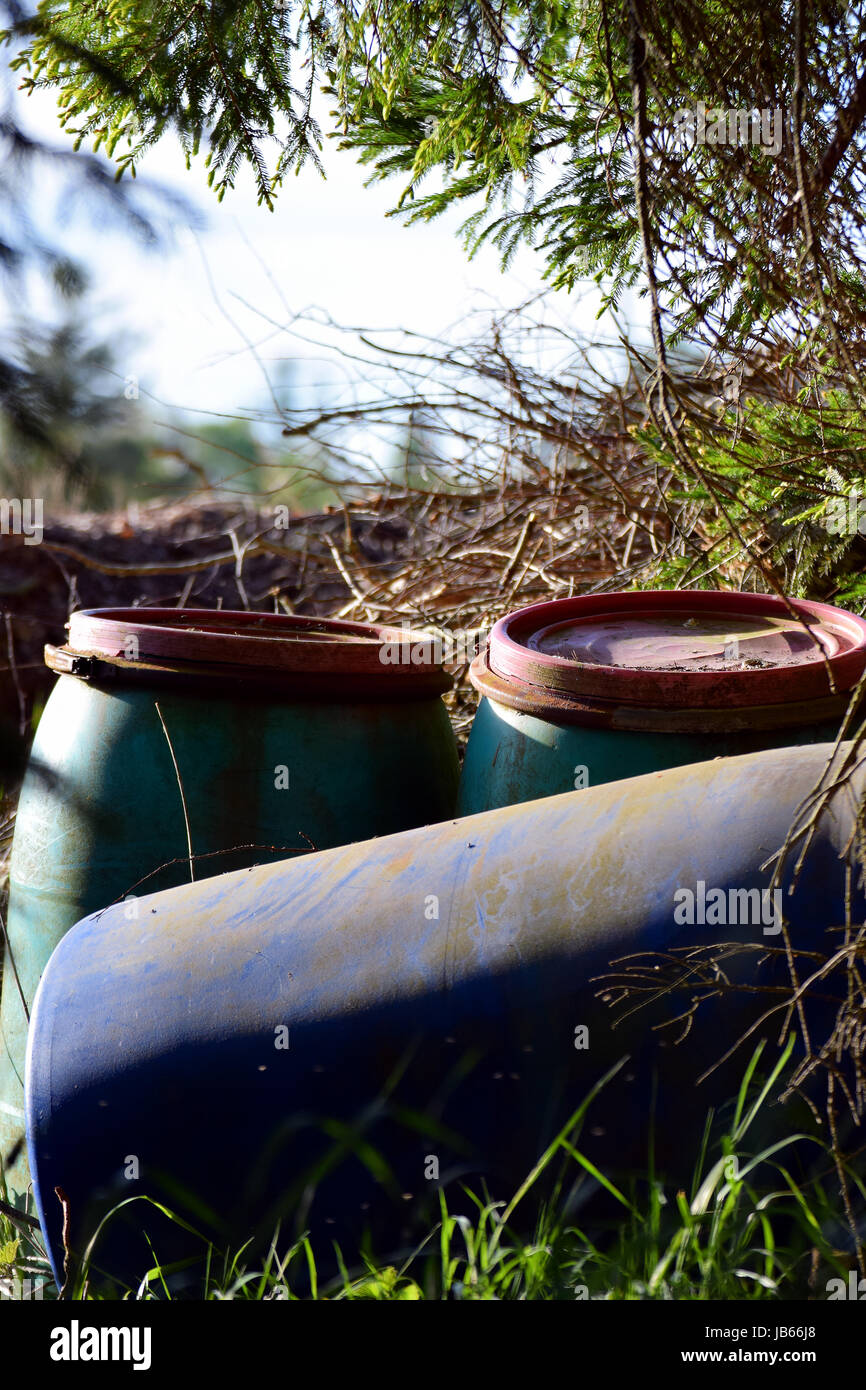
(453, 561)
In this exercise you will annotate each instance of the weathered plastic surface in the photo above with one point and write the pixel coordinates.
(453, 964)
(100, 808)
(513, 757)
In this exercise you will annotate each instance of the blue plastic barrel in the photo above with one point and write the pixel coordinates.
(205, 1052)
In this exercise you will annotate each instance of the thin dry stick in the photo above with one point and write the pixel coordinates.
(190, 855)
(163, 567)
(22, 703)
(20, 1218)
(68, 1259)
(344, 573)
(240, 552)
(8, 945)
(210, 854)
(518, 550)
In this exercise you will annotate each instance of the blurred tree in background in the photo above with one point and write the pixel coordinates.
(73, 428)
(67, 428)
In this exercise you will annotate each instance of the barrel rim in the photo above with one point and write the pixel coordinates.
(239, 682)
(552, 677)
(222, 644)
(557, 708)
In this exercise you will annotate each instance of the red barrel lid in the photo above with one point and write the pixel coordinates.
(348, 656)
(675, 649)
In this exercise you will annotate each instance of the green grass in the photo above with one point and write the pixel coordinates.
(22, 1253)
(745, 1230)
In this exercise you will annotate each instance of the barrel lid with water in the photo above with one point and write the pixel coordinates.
(673, 650)
(191, 645)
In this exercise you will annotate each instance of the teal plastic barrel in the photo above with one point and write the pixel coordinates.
(579, 692)
(285, 735)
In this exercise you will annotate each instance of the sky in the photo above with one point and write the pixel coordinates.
(183, 319)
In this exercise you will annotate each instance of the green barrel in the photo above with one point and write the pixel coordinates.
(244, 738)
(579, 692)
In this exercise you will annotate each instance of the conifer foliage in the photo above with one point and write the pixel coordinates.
(561, 123)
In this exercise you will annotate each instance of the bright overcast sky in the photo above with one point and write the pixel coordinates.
(328, 244)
